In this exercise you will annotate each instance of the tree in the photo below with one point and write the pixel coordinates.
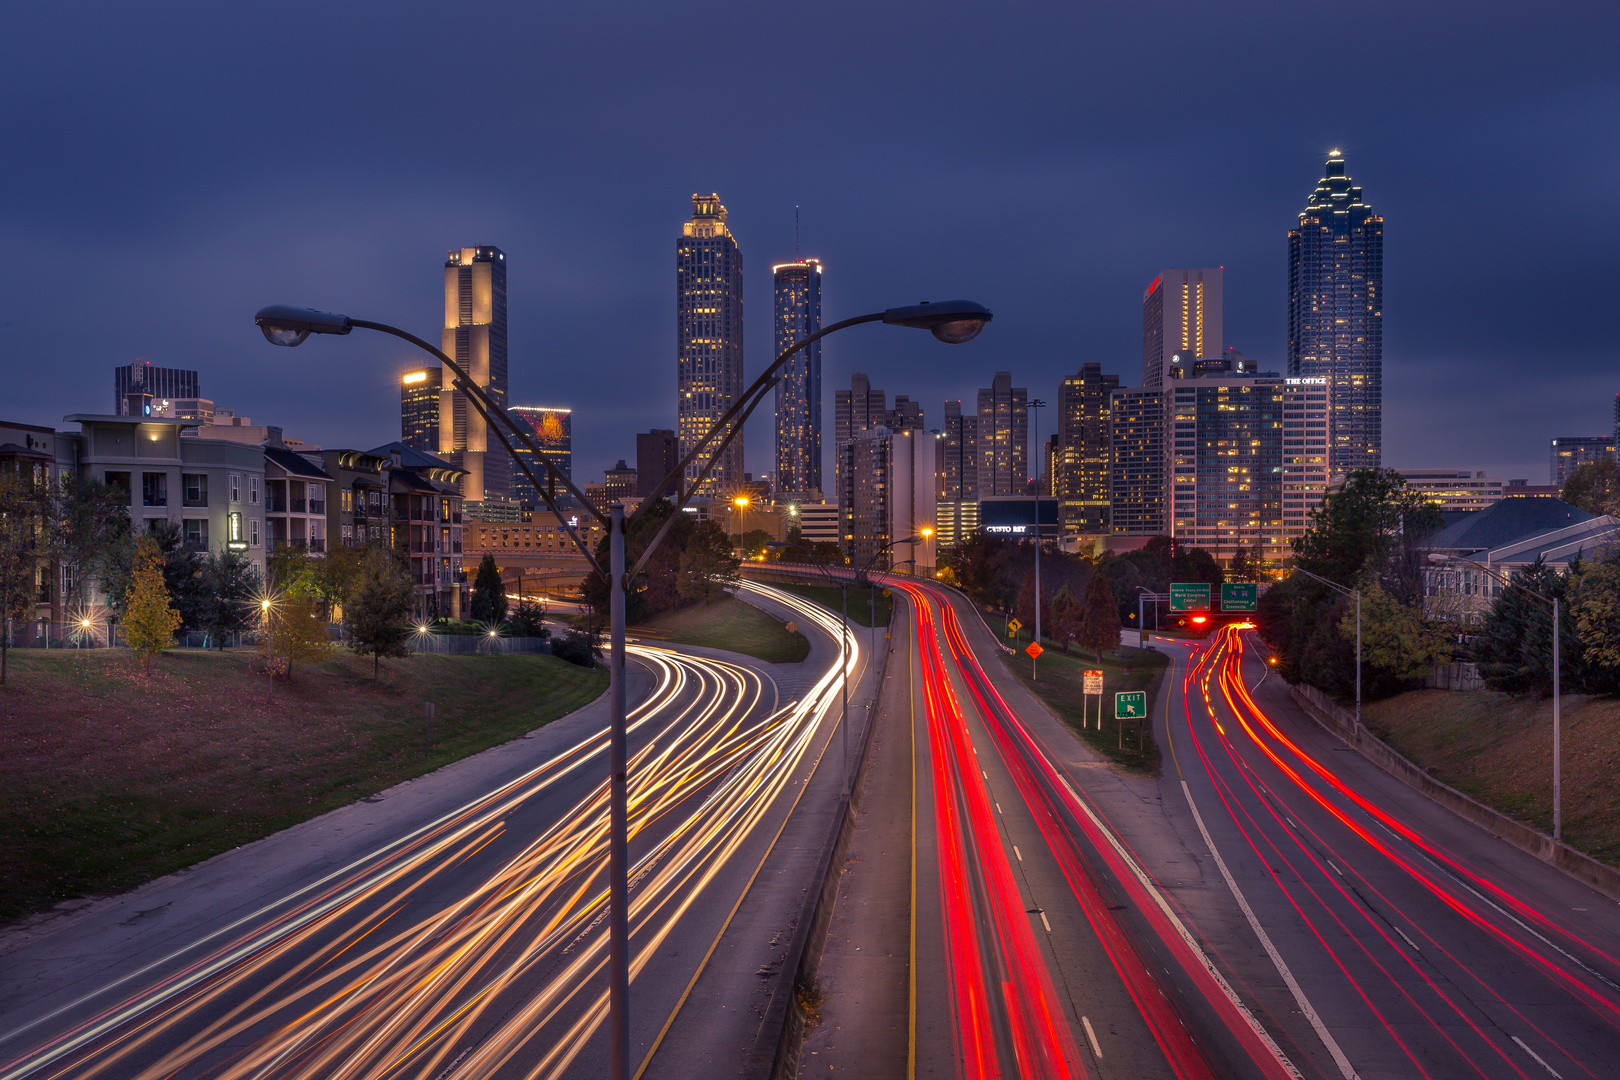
(527, 619)
(1371, 520)
(1396, 644)
(1514, 643)
(1099, 617)
(1595, 607)
(93, 532)
(150, 621)
(1024, 606)
(1594, 487)
(233, 582)
(1066, 616)
(707, 565)
(1247, 563)
(379, 609)
(25, 530)
(184, 572)
(295, 632)
(334, 577)
(488, 593)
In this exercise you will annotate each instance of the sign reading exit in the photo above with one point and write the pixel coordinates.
(1130, 704)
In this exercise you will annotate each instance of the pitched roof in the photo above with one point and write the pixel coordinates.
(413, 459)
(295, 464)
(1506, 521)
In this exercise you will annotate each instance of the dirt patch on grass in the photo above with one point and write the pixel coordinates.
(114, 775)
(727, 624)
(1498, 748)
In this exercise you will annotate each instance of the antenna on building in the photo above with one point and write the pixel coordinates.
(796, 257)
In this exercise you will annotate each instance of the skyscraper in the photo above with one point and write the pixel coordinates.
(708, 338)
(1181, 314)
(956, 477)
(1336, 312)
(857, 409)
(656, 458)
(1003, 438)
(553, 430)
(159, 383)
(419, 408)
(798, 394)
(475, 336)
(1570, 452)
(1136, 418)
(1083, 451)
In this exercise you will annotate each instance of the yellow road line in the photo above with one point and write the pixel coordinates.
(911, 722)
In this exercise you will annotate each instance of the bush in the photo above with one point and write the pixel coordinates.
(577, 647)
(527, 620)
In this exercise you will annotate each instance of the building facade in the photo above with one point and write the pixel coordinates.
(144, 379)
(1137, 468)
(1455, 490)
(295, 491)
(1570, 452)
(708, 339)
(1083, 451)
(1003, 437)
(892, 499)
(798, 393)
(1181, 315)
(620, 482)
(419, 408)
(475, 336)
(553, 430)
(1336, 312)
(1307, 434)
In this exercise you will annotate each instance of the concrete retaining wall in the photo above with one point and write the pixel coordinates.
(1600, 876)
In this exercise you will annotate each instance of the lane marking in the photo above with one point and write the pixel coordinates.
(911, 717)
(1345, 1068)
(1092, 1035)
(999, 810)
(1045, 923)
(1537, 1056)
(1406, 939)
(1018, 853)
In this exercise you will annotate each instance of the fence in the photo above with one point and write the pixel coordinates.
(1455, 677)
(477, 645)
(105, 636)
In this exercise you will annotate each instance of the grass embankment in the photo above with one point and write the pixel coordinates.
(113, 775)
(1498, 748)
(1061, 686)
(860, 601)
(729, 624)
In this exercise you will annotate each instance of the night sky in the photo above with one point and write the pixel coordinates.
(167, 169)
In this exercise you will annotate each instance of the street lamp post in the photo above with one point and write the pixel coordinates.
(953, 322)
(1035, 428)
(1557, 679)
(1356, 595)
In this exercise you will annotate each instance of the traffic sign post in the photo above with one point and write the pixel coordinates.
(1240, 596)
(1034, 651)
(1093, 685)
(1131, 704)
(1189, 596)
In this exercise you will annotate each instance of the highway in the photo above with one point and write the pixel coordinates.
(471, 944)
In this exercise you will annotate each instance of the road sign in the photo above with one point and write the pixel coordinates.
(1093, 682)
(1241, 596)
(1034, 650)
(1013, 627)
(792, 628)
(1189, 596)
(1130, 703)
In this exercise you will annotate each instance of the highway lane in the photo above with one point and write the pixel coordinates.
(472, 945)
(1414, 943)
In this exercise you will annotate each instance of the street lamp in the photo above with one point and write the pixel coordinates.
(1557, 678)
(741, 503)
(954, 322)
(1035, 428)
(1356, 594)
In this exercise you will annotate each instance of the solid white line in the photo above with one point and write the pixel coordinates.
(1408, 940)
(1537, 1056)
(1018, 853)
(1092, 1035)
(1045, 923)
(1322, 1032)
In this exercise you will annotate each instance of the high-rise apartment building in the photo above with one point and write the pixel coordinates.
(857, 409)
(798, 393)
(419, 408)
(1137, 471)
(708, 338)
(956, 477)
(892, 499)
(656, 458)
(1336, 312)
(1181, 315)
(475, 336)
(142, 378)
(1083, 451)
(1307, 423)
(1003, 437)
(553, 430)
(1570, 452)
(619, 482)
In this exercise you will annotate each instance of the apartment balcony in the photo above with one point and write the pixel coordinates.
(274, 504)
(296, 543)
(317, 506)
(295, 506)
(317, 543)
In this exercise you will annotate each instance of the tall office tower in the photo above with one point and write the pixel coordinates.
(1306, 419)
(157, 383)
(656, 458)
(1137, 471)
(553, 430)
(708, 338)
(1181, 315)
(1084, 450)
(958, 465)
(1336, 313)
(798, 394)
(1570, 452)
(475, 336)
(907, 415)
(891, 499)
(1003, 441)
(857, 409)
(419, 408)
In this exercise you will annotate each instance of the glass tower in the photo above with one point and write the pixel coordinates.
(1083, 450)
(475, 335)
(553, 430)
(1181, 316)
(419, 408)
(1336, 313)
(708, 338)
(1003, 437)
(798, 394)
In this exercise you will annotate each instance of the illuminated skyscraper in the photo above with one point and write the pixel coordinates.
(708, 338)
(1136, 474)
(475, 336)
(1336, 313)
(1083, 451)
(798, 394)
(1181, 314)
(553, 430)
(1003, 438)
(419, 408)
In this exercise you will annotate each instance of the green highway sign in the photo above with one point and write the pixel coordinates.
(1130, 703)
(1241, 596)
(1189, 596)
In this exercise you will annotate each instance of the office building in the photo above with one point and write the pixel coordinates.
(798, 393)
(956, 477)
(892, 499)
(1137, 469)
(419, 408)
(818, 523)
(708, 340)
(1307, 420)
(475, 336)
(1570, 452)
(553, 430)
(1181, 316)
(619, 482)
(1336, 312)
(1003, 437)
(149, 384)
(1456, 490)
(1083, 451)
(657, 455)
(858, 409)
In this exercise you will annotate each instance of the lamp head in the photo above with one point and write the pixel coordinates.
(954, 322)
(283, 325)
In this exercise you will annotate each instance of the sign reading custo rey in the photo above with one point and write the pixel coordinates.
(1239, 596)
(1189, 596)
(1131, 704)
